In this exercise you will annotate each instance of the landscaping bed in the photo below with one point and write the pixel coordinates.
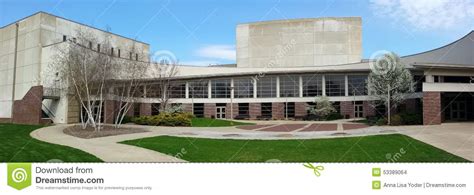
(89, 132)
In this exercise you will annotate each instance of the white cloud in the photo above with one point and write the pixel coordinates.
(223, 52)
(426, 14)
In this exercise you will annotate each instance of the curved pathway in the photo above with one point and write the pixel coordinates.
(104, 148)
(454, 138)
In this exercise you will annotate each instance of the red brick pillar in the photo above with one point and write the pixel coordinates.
(145, 109)
(255, 110)
(28, 109)
(369, 109)
(347, 108)
(109, 111)
(234, 110)
(188, 108)
(300, 109)
(278, 110)
(209, 110)
(131, 109)
(431, 108)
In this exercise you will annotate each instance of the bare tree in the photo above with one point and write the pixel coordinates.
(129, 83)
(163, 71)
(85, 72)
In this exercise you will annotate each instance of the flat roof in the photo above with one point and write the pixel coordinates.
(42, 12)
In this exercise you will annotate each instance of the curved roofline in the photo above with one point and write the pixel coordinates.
(43, 12)
(299, 19)
(447, 45)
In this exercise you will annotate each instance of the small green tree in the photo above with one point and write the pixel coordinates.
(323, 107)
(389, 81)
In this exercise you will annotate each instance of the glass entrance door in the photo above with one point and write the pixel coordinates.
(220, 112)
(458, 111)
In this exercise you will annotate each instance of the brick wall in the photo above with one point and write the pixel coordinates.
(209, 110)
(28, 109)
(188, 108)
(431, 108)
(369, 109)
(300, 109)
(347, 108)
(235, 110)
(278, 110)
(255, 110)
(145, 109)
(109, 111)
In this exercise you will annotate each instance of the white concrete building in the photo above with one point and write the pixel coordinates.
(281, 67)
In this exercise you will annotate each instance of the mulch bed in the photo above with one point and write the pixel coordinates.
(89, 132)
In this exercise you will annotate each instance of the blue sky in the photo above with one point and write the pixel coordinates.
(203, 32)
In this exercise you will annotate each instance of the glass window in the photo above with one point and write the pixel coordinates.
(153, 91)
(357, 84)
(289, 86)
(220, 88)
(312, 85)
(198, 89)
(177, 90)
(335, 85)
(155, 109)
(243, 88)
(198, 110)
(244, 109)
(266, 87)
(266, 109)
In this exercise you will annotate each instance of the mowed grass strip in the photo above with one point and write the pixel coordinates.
(378, 148)
(16, 145)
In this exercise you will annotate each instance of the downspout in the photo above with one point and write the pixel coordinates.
(14, 69)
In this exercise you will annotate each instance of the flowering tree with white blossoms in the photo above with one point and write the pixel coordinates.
(389, 81)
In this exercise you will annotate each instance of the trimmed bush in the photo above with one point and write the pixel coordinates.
(334, 116)
(165, 119)
(411, 118)
(396, 120)
(381, 122)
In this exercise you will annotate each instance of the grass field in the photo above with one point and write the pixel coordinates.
(209, 122)
(16, 145)
(353, 149)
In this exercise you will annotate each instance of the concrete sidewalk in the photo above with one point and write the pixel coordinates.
(108, 151)
(456, 138)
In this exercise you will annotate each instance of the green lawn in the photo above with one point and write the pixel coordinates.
(16, 145)
(354, 149)
(209, 122)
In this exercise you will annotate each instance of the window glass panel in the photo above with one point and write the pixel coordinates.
(177, 90)
(335, 85)
(289, 86)
(220, 88)
(312, 85)
(266, 87)
(198, 89)
(153, 91)
(243, 88)
(357, 85)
